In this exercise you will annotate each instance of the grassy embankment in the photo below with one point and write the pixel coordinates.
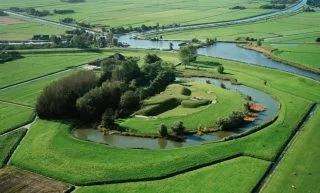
(299, 169)
(55, 153)
(212, 178)
(8, 142)
(227, 101)
(145, 12)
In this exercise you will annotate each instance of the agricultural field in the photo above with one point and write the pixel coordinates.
(298, 170)
(146, 12)
(14, 28)
(14, 115)
(92, 113)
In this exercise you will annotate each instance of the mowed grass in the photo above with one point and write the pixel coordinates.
(8, 142)
(50, 149)
(306, 54)
(146, 12)
(237, 175)
(303, 24)
(27, 94)
(299, 169)
(12, 116)
(227, 101)
(15, 28)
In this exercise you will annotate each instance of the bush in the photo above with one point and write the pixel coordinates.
(107, 119)
(195, 103)
(163, 130)
(185, 91)
(220, 69)
(318, 39)
(234, 120)
(151, 58)
(178, 128)
(129, 101)
(59, 98)
(223, 86)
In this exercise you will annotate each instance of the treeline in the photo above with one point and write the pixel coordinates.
(315, 3)
(273, 6)
(283, 1)
(70, 20)
(9, 56)
(73, 1)
(116, 93)
(238, 7)
(40, 13)
(234, 120)
(142, 28)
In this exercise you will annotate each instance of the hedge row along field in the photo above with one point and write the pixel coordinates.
(55, 153)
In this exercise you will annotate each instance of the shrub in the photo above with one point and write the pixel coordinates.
(195, 104)
(59, 98)
(107, 119)
(151, 58)
(129, 101)
(318, 39)
(220, 69)
(185, 91)
(234, 120)
(163, 130)
(223, 86)
(178, 128)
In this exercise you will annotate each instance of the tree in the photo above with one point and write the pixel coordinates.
(171, 46)
(220, 69)
(110, 38)
(151, 58)
(259, 42)
(318, 39)
(129, 101)
(107, 119)
(178, 128)
(163, 130)
(234, 120)
(188, 54)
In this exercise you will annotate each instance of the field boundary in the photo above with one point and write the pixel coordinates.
(31, 120)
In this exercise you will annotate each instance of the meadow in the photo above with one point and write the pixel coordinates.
(16, 28)
(145, 12)
(298, 169)
(42, 149)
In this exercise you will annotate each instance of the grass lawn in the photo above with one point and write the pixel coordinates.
(213, 178)
(300, 28)
(50, 149)
(27, 94)
(15, 28)
(299, 169)
(8, 142)
(12, 116)
(146, 12)
(227, 101)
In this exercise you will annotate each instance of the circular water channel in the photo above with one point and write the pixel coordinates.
(272, 109)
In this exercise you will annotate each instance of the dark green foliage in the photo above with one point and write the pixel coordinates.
(171, 46)
(223, 86)
(220, 69)
(195, 103)
(283, 1)
(151, 58)
(73, 1)
(35, 12)
(151, 70)
(235, 120)
(318, 39)
(273, 6)
(188, 54)
(59, 98)
(185, 91)
(315, 3)
(9, 56)
(238, 7)
(178, 128)
(3, 13)
(68, 20)
(163, 130)
(96, 101)
(107, 119)
(129, 101)
(127, 71)
(63, 11)
(156, 109)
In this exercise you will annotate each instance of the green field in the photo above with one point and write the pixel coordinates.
(227, 101)
(15, 28)
(248, 170)
(146, 12)
(300, 28)
(8, 143)
(12, 116)
(299, 169)
(43, 149)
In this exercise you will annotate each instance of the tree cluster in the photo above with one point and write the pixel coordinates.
(314, 3)
(9, 56)
(63, 11)
(188, 54)
(238, 7)
(234, 120)
(273, 6)
(2, 13)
